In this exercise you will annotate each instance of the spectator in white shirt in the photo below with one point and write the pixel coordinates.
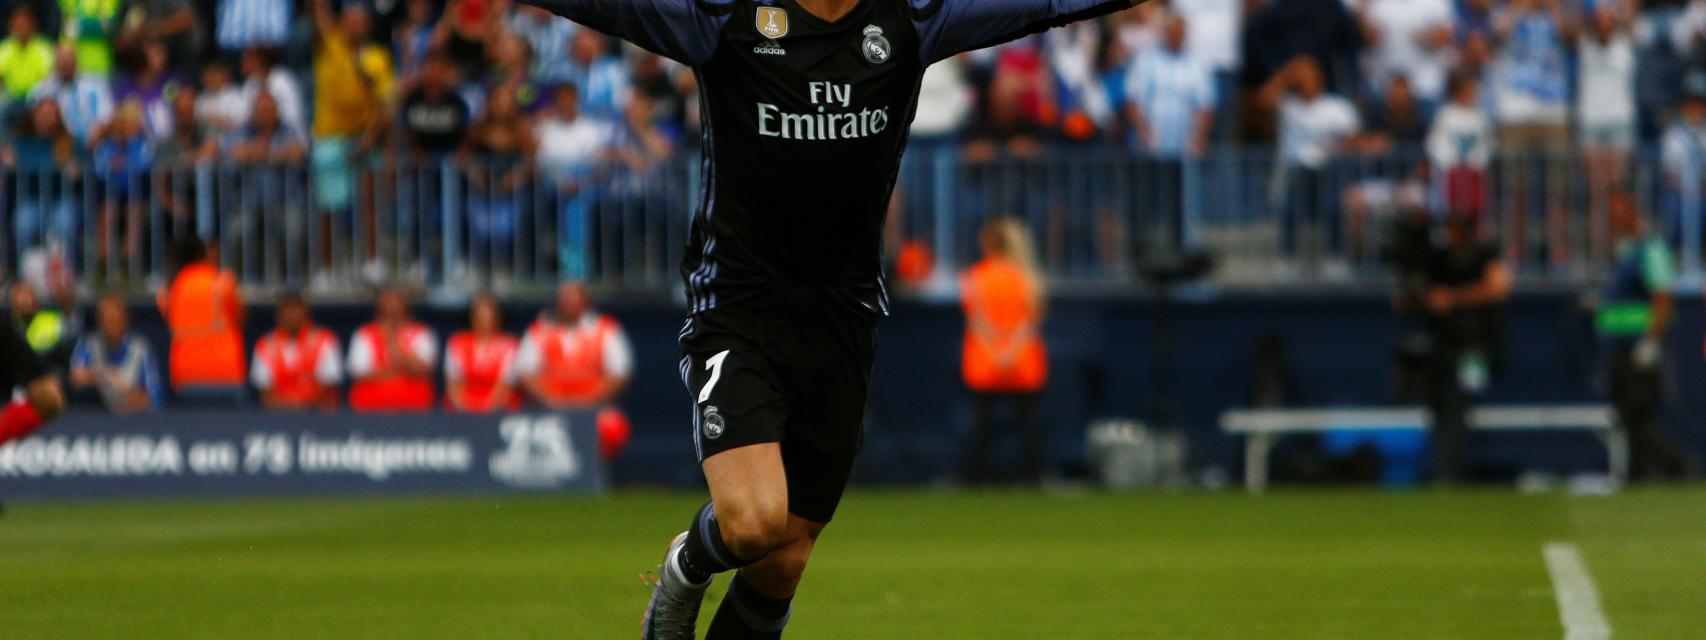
(260, 73)
(572, 147)
(1314, 127)
(221, 107)
(944, 102)
(1605, 113)
(1462, 135)
(1605, 93)
(1215, 26)
(1083, 98)
(1460, 145)
(1533, 103)
(1411, 38)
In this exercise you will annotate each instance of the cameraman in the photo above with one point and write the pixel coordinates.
(1633, 315)
(1408, 250)
(1460, 293)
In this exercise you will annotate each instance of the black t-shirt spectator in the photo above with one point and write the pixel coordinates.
(1460, 266)
(434, 124)
(1477, 327)
(1406, 129)
(1284, 29)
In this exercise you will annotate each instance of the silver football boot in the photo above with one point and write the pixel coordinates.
(674, 610)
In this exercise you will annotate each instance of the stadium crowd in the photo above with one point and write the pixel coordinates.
(103, 96)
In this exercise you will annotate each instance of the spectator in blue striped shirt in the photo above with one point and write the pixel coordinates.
(1170, 103)
(549, 37)
(1170, 96)
(600, 76)
(118, 365)
(84, 102)
(412, 39)
(243, 24)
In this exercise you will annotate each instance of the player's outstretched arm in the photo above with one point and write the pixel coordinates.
(683, 30)
(950, 27)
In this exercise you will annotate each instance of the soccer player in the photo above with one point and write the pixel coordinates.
(40, 398)
(806, 105)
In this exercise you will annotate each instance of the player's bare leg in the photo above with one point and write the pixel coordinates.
(760, 595)
(41, 403)
(749, 491)
(778, 574)
(746, 519)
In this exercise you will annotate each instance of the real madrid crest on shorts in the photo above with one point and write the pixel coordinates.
(772, 22)
(875, 47)
(711, 422)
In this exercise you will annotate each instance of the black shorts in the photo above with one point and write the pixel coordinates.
(19, 364)
(791, 368)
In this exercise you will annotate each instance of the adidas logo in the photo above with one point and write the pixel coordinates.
(769, 48)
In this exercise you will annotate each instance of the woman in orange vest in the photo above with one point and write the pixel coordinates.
(1004, 359)
(297, 365)
(391, 360)
(479, 364)
(204, 311)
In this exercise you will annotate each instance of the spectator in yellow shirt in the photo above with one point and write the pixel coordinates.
(88, 28)
(353, 83)
(26, 58)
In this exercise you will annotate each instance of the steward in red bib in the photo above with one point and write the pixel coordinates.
(391, 360)
(573, 358)
(297, 366)
(479, 364)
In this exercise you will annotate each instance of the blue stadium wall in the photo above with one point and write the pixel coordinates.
(1339, 347)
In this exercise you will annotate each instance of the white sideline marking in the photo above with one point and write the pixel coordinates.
(1578, 598)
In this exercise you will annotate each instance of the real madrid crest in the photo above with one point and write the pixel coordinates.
(876, 47)
(712, 422)
(772, 22)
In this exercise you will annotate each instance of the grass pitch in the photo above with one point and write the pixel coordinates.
(918, 566)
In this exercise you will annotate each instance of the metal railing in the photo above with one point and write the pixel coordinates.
(435, 224)
(1095, 212)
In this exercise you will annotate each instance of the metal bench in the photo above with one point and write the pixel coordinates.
(1261, 427)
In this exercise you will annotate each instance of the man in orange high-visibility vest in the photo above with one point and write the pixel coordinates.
(204, 311)
(573, 357)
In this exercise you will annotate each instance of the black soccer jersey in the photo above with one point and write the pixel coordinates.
(804, 122)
